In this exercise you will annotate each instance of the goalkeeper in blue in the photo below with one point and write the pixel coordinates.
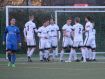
(12, 38)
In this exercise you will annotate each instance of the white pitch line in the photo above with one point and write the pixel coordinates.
(55, 63)
(53, 68)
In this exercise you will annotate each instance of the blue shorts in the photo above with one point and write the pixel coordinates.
(11, 46)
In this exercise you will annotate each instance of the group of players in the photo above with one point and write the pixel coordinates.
(49, 35)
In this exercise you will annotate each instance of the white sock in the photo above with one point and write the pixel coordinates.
(41, 55)
(61, 55)
(87, 54)
(6, 55)
(31, 52)
(94, 55)
(46, 54)
(54, 54)
(28, 52)
(90, 54)
(75, 55)
(83, 54)
(71, 55)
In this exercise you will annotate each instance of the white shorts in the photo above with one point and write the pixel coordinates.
(93, 44)
(31, 42)
(67, 42)
(90, 42)
(53, 42)
(44, 44)
(78, 44)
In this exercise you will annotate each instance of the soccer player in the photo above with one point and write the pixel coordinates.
(67, 41)
(89, 38)
(53, 37)
(78, 39)
(12, 38)
(44, 44)
(29, 34)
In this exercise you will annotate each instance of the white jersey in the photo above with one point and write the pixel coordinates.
(53, 30)
(29, 30)
(43, 32)
(93, 33)
(68, 29)
(89, 28)
(78, 32)
(44, 37)
(90, 41)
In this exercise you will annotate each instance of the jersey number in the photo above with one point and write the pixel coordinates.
(80, 30)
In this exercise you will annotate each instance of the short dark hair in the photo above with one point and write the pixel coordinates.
(12, 19)
(52, 19)
(30, 16)
(69, 18)
(77, 19)
(45, 20)
(89, 18)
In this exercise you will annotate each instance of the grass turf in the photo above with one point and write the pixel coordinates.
(52, 70)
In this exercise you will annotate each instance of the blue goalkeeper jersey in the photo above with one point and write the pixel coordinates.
(12, 34)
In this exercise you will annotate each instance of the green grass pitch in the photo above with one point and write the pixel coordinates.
(52, 70)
